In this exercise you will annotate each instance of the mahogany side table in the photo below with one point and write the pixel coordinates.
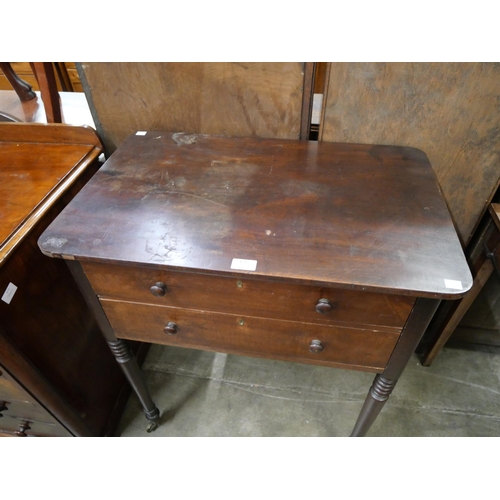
(321, 253)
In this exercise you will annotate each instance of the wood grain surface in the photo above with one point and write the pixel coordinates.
(30, 172)
(251, 297)
(364, 217)
(449, 110)
(234, 99)
(51, 329)
(49, 340)
(34, 170)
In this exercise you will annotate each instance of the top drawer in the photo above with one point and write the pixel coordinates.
(250, 297)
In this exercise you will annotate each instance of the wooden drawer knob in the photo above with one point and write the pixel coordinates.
(159, 289)
(324, 306)
(3, 407)
(170, 328)
(22, 430)
(315, 346)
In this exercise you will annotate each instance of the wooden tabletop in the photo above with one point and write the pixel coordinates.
(346, 215)
(37, 164)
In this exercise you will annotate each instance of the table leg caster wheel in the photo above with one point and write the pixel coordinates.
(152, 427)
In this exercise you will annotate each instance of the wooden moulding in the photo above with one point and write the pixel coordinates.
(59, 138)
(56, 133)
(273, 299)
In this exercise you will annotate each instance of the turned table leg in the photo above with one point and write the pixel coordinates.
(377, 396)
(132, 371)
(119, 348)
(384, 383)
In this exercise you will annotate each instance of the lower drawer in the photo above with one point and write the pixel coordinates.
(9, 425)
(367, 350)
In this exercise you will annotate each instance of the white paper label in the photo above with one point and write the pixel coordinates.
(244, 264)
(455, 285)
(9, 293)
(140, 132)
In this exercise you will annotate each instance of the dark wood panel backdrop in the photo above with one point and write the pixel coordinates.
(234, 99)
(449, 110)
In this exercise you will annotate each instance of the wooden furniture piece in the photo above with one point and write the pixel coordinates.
(57, 375)
(232, 99)
(330, 254)
(46, 78)
(484, 258)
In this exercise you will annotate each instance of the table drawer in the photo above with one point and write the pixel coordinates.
(347, 347)
(252, 297)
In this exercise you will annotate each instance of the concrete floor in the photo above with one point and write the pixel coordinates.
(210, 394)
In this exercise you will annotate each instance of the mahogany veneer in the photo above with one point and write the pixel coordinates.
(331, 254)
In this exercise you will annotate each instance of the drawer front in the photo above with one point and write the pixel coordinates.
(10, 425)
(26, 410)
(10, 390)
(345, 347)
(19, 403)
(251, 297)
